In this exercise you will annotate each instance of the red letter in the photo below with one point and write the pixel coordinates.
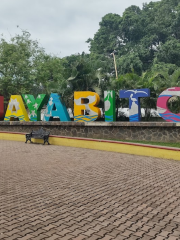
(1, 106)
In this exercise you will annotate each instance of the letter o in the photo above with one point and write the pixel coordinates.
(162, 106)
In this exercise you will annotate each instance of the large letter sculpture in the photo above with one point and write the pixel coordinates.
(16, 109)
(1, 106)
(55, 108)
(109, 105)
(35, 106)
(134, 102)
(85, 109)
(162, 102)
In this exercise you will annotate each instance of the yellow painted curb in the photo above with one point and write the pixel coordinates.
(12, 136)
(136, 149)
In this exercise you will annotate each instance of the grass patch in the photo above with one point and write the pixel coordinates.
(177, 145)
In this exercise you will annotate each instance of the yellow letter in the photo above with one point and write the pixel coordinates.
(16, 109)
(85, 109)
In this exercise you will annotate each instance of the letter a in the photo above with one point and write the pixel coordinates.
(16, 109)
(55, 108)
(35, 106)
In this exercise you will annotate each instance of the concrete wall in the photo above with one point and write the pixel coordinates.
(146, 131)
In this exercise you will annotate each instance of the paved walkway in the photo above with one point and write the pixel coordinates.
(53, 192)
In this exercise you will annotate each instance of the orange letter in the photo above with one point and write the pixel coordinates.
(85, 109)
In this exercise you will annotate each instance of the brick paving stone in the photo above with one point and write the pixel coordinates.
(72, 227)
(164, 233)
(27, 237)
(12, 237)
(146, 237)
(56, 192)
(114, 233)
(152, 233)
(82, 223)
(107, 237)
(80, 237)
(77, 232)
(12, 226)
(98, 227)
(159, 238)
(3, 236)
(132, 238)
(132, 228)
(48, 227)
(93, 237)
(25, 232)
(38, 232)
(127, 233)
(66, 237)
(146, 228)
(9, 233)
(33, 228)
(102, 232)
(172, 238)
(51, 232)
(176, 233)
(122, 228)
(64, 232)
(39, 237)
(105, 223)
(89, 232)
(139, 233)
(53, 237)
(85, 228)
(120, 237)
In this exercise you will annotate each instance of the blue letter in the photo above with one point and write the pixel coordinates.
(134, 102)
(55, 108)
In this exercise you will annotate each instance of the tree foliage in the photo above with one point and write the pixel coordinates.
(18, 61)
(140, 36)
(26, 68)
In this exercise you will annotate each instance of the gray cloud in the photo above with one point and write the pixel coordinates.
(61, 26)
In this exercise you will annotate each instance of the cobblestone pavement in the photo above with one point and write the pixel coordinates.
(54, 192)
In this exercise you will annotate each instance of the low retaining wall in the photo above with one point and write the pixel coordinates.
(142, 131)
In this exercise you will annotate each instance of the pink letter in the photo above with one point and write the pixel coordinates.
(1, 106)
(162, 102)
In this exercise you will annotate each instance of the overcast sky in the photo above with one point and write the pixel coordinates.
(60, 26)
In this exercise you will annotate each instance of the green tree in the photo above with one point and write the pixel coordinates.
(169, 52)
(18, 61)
(130, 63)
(108, 36)
(140, 36)
(50, 75)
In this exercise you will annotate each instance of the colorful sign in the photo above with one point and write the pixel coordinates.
(109, 106)
(134, 102)
(56, 109)
(1, 106)
(162, 106)
(85, 106)
(35, 106)
(16, 109)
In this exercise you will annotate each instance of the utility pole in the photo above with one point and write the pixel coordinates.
(115, 64)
